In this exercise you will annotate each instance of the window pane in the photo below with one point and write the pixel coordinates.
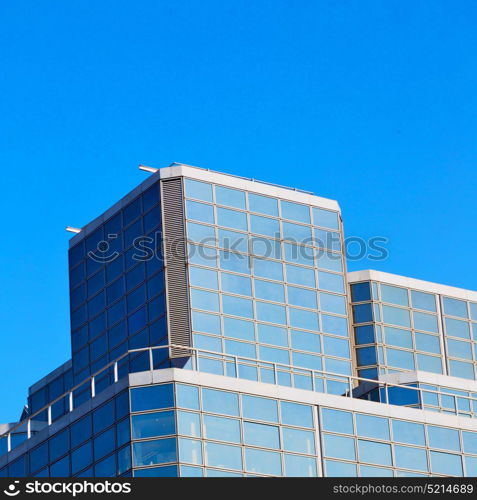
(188, 423)
(262, 204)
(337, 421)
(332, 303)
(152, 397)
(154, 452)
(325, 218)
(232, 219)
(457, 328)
(263, 462)
(239, 329)
(410, 458)
(187, 396)
(201, 299)
(220, 402)
(394, 295)
(200, 212)
(221, 429)
(235, 284)
(221, 455)
(360, 292)
(229, 197)
(330, 282)
(198, 190)
(396, 316)
(190, 451)
(295, 211)
(298, 440)
(268, 269)
(274, 335)
(444, 438)
(263, 435)
(203, 277)
(296, 414)
(265, 225)
(421, 300)
(446, 464)
(339, 447)
(374, 453)
(259, 408)
(153, 424)
(339, 469)
(455, 307)
(297, 466)
(426, 322)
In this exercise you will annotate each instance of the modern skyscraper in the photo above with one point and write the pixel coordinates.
(215, 332)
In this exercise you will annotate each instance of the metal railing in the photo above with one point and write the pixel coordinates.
(154, 358)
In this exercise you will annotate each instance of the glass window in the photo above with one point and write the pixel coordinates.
(273, 335)
(301, 297)
(296, 414)
(236, 284)
(330, 282)
(187, 396)
(154, 452)
(103, 417)
(222, 429)
(230, 197)
(274, 355)
(232, 219)
(201, 299)
(300, 318)
(222, 455)
(369, 471)
(300, 275)
(400, 359)
(325, 218)
(327, 239)
(339, 447)
(398, 337)
(222, 402)
(336, 347)
(263, 462)
(190, 451)
(457, 328)
(459, 349)
(364, 334)
(104, 444)
(295, 211)
(410, 458)
(200, 211)
(429, 363)
(374, 453)
(396, 316)
(332, 303)
(271, 312)
(265, 247)
(237, 306)
(339, 469)
(198, 190)
(446, 464)
(360, 292)
(306, 341)
(203, 277)
(265, 225)
(426, 322)
(428, 343)
(408, 432)
(298, 440)
(81, 457)
(454, 307)
(59, 445)
(425, 301)
(188, 423)
(444, 438)
(470, 442)
(296, 233)
(362, 313)
(263, 435)
(152, 397)
(168, 471)
(299, 254)
(269, 291)
(298, 466)
(394, 295)
(262, 204)
(239, 329)
(330, 261)
(335, 325)
(153, 424)
(232, 240)
(243, 349)
(236, 262)
(259, 408)
(337, 421)
(203, 256)
(204, 322)
(268, 269)
(200, 233)
(461, 369)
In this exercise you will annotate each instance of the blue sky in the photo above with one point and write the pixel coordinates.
(370, 103)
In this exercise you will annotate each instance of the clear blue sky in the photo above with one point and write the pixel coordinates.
(372, 103)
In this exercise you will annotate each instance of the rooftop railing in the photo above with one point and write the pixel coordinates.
(154, 358)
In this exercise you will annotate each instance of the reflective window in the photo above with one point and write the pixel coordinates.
(325, 218)
(221, 429)
(263, 435)
(455, 307)
(422, 300)
(446, 464)
(296, 414)
(230, 197)
(222, 455)
(374, 453)
(394, 295)
(339, 447)
(153, 424)
(337, 421)
(154, 452)
(198, 190)
(263, 462)
(220, 402)
(444, 438)
(371, 426)
(263, 204)
(259, 408)
(295, 211)
(152, 397)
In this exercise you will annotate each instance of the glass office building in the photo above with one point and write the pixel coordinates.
(215, 332)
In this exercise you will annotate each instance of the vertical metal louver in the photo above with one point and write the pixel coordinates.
(175, 267)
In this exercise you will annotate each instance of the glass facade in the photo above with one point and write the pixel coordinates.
(264, 313)
(266, 280)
